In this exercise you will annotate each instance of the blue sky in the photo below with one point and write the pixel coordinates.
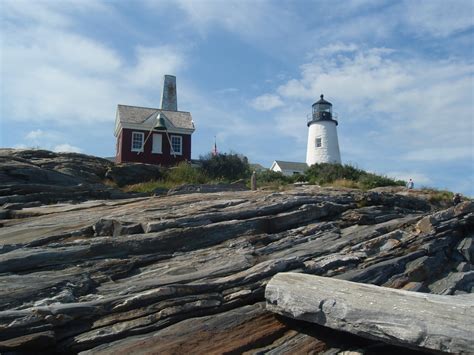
(399, 75)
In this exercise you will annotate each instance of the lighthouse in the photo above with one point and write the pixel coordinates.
(323, 145)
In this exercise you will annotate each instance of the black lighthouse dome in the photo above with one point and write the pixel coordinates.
(322, 111)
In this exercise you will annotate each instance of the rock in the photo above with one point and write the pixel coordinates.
(85, 167)
(109, 227)
(127, 228)
(4, 213)
(466, 249)
(415, 320)
(34, 343)
(454, 281)
(425, 267)
(133, 173)
(94, 273)
(103, 227)
(187, 189)
(30, 178)
(464, 208)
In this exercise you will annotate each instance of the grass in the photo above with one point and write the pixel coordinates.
(345, 183)
(110, 183)
(149, 186)
(438, 196)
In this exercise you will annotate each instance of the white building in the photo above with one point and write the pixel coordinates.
(323, 145)
(288, 168)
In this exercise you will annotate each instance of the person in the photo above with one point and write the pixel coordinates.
(410, 184)
(253, 181)
(456, 199)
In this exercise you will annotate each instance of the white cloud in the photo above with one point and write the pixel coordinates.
(436, 17)
(227, 91)
(153, 63)
(266, 102)
(53, 13)
(243, 17)
(51, 74)
(418, 102)
(47, 139)
(337, 47)
(444, 154)
(66, 148)
(38, 135)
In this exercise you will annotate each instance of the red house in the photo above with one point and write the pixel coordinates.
(154, 136)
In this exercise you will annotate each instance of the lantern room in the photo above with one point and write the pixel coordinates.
(322, 110)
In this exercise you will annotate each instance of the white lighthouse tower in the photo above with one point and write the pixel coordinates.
(323, 146)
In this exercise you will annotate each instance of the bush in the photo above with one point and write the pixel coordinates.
(227, 167)
(184, 173)
(346, 183)
(325, 173)
(370, 181)
(269, 176)
(148, 186)
(438, 196)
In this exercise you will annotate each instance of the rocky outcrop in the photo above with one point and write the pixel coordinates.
(31, 178)
(133, 173)
(206, 188)
(188, 272)
(405, 318)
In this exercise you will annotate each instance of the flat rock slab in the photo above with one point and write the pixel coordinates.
(411, 319)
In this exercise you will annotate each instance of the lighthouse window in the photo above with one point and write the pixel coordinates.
(319, 142)
(324, 108)
(137, 141)
(176, 145)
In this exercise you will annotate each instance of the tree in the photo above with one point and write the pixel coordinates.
(227, 167)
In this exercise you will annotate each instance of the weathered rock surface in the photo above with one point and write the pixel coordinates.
(133, 173)
(405, 318)
(30, 178)
(206, 188)
(188, 272)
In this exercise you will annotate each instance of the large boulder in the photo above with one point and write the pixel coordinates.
(411, 319)
(133, 173)
(88, 168)
(33, 177)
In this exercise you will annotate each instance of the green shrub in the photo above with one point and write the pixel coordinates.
(225, 167)
(370, 181)
(148, 186)
(184, 173)
(438, 196)
(269, 176)
(345, 183)
(324, 174)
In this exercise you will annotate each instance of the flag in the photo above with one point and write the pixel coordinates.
(214, 150)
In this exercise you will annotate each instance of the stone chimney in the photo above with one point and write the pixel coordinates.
(169, 99)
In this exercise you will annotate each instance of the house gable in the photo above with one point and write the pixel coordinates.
(134, 117)
(288, 168)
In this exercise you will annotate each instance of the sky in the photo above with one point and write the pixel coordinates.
(398, 73)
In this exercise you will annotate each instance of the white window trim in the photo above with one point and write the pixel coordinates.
(143, 139)
(153, 144)
(172, 151)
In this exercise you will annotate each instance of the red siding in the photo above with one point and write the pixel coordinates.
(125, 153)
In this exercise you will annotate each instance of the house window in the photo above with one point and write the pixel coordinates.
(157, 143)
(319, 142)
(177, 145)
(137, 141)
